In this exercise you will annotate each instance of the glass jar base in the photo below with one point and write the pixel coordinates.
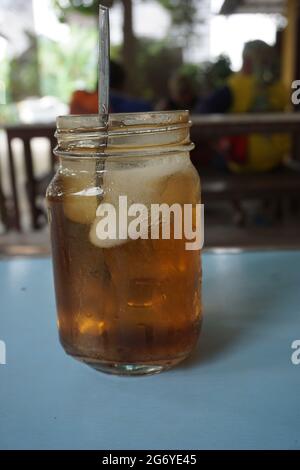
(116, 368)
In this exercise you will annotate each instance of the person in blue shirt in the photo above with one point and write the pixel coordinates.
(120, 102)
(84, 102)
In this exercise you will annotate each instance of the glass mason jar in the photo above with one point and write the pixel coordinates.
(126, 305)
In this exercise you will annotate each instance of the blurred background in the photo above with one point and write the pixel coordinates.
(232, 63)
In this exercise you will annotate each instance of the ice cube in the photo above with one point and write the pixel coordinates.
(182, 187)
(81, 192)
(144, 184)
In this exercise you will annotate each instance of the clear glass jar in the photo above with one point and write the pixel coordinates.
(125, 306)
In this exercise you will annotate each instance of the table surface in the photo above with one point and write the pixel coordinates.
(240, 390)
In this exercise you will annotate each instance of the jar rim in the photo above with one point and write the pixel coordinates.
(75, 122)
(126, 134)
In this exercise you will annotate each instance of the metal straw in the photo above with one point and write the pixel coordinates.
(103, 86)
(104, 52)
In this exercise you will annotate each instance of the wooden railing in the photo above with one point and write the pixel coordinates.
(214, 125)
(209, 127)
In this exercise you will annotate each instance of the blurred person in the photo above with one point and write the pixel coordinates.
(182, 94)
(84, 102)
(3, 210)
(120, 102)
(256, 88)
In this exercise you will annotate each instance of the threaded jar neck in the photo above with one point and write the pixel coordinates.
(134, 134)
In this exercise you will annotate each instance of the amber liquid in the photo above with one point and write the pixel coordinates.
(137, 303)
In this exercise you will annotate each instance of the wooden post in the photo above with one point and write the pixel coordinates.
(129, 44)
(290, 59)
(297, 45)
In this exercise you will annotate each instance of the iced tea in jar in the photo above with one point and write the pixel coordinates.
(127, 271)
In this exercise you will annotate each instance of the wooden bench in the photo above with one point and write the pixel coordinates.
(219, 186)
(26, 133)
(216, 186)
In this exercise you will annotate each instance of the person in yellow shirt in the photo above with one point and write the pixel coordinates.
(256, 88)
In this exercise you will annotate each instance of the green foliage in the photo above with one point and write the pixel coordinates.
(4, 81)
(183, 12)
(148, 54)
(208, 76)
(24, 77)
(194, 73)
(155, 62)
(214, 74)
(69, 66)
(86, 7)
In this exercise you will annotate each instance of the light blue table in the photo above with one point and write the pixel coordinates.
(241, 389)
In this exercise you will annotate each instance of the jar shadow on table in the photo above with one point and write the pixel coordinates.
(225, 329)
